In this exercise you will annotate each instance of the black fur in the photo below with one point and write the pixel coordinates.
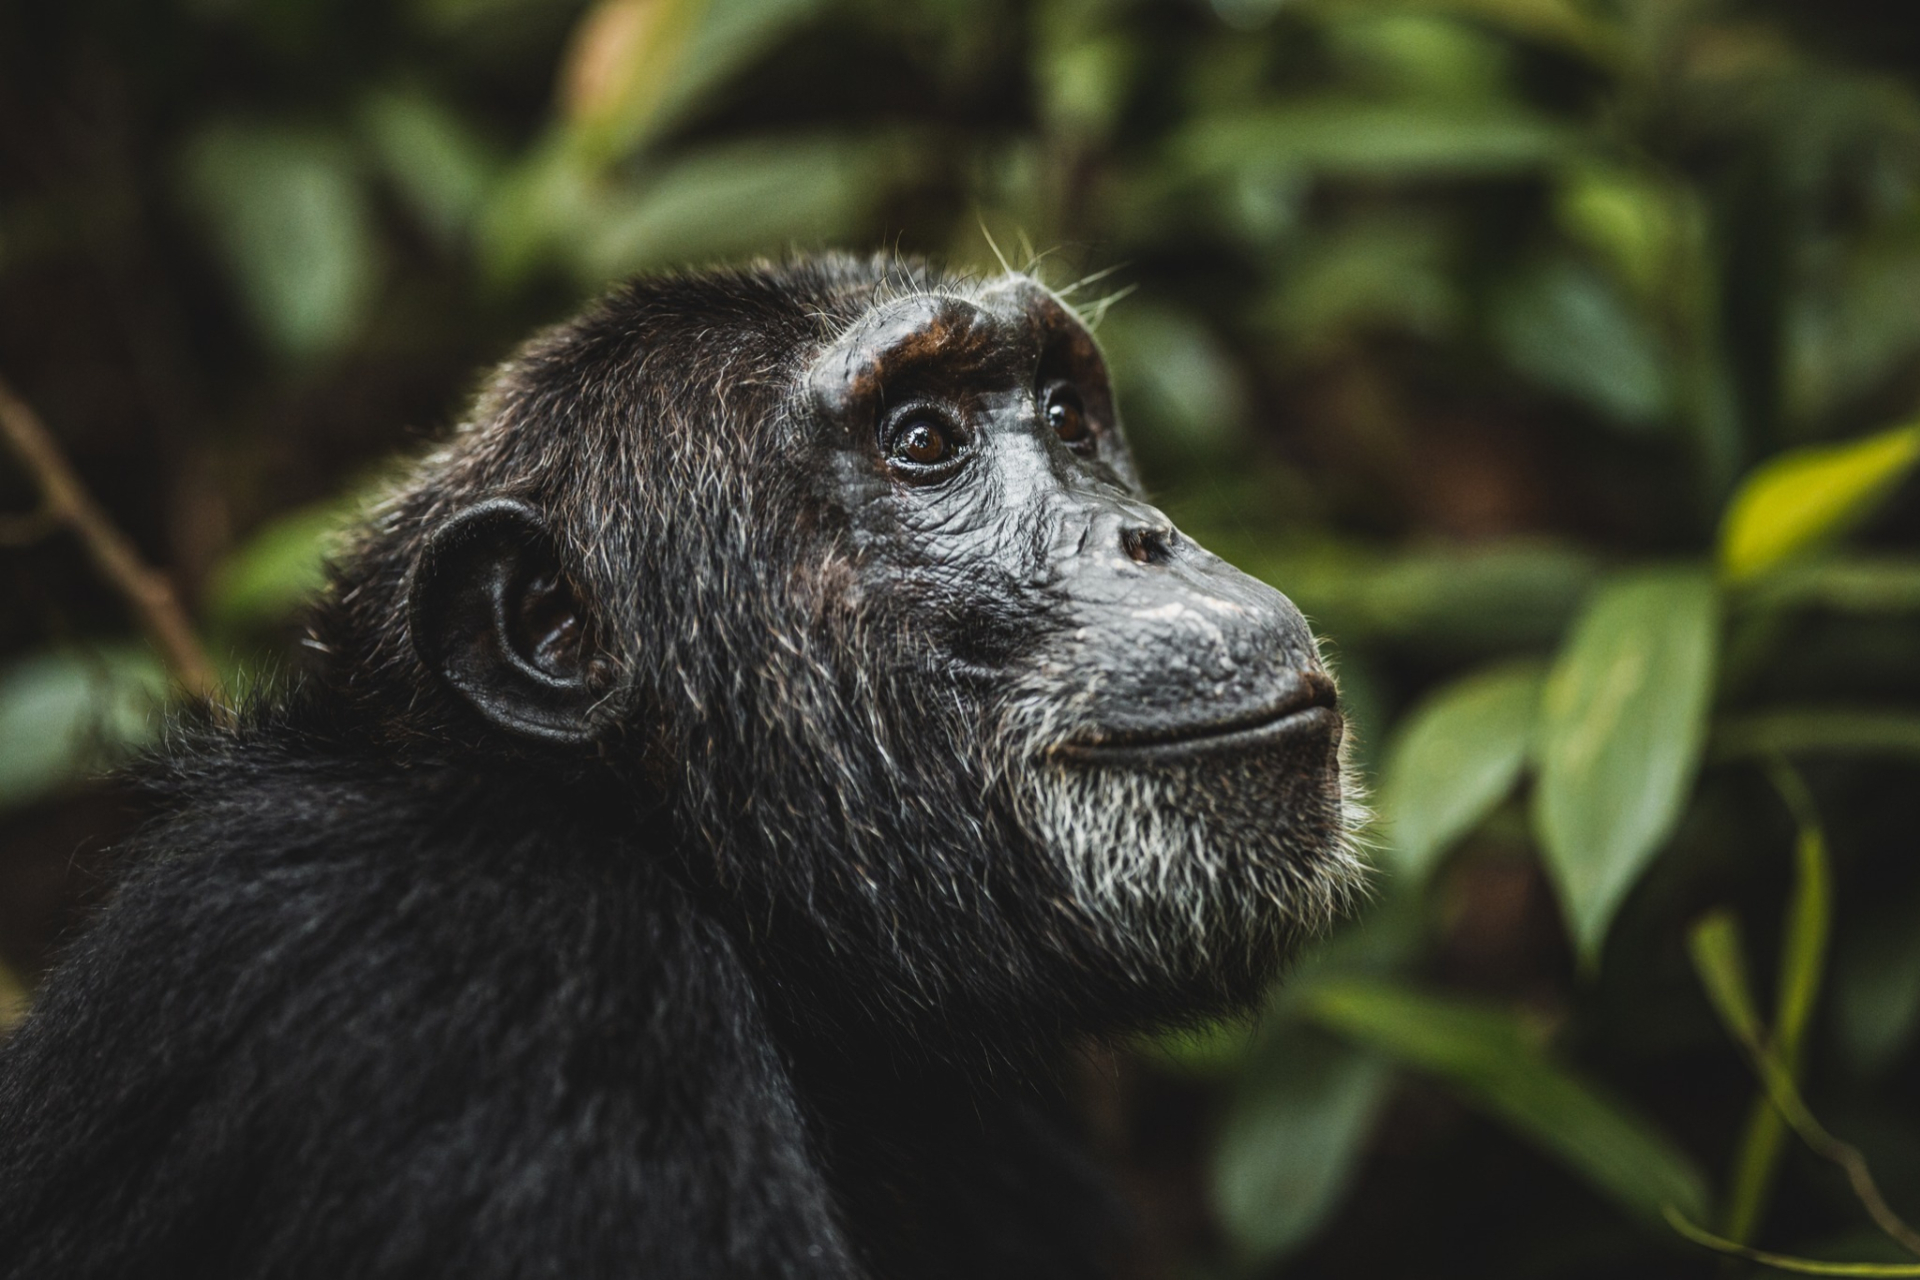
(670, 919)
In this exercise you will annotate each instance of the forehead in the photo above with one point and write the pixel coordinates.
(995, 335)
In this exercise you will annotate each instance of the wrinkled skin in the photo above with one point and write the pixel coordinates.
(1172, 645)
(733, 775)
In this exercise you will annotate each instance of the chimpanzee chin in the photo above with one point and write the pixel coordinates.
(733, 774)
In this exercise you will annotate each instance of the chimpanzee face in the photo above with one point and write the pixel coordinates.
(1158, 721)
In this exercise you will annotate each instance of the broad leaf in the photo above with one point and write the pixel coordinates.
(1176, 379)
(1564, 24)
(1806, 497)
(1358, 137)
(1794, 731)
(1877, 992)
(1623, 719)
(729, 36)
(63, 715)
(430, 155)
(757, 195)
(637, 67)
(289, 212)
(623, 55)
(1214, 1050)
(1454, 758)
(1445, 600)
(1292, 1137)
(1366, 273)
(1856, 584)
(1570, 328)
(1489, 1055)
(1639, 222)
(278, 569)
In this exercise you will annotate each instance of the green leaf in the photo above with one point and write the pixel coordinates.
(1862, 584)
(623, 56)
(1175, 377)
(1492, 1058)
(1569, 328)
(65, 714)
(1638, 222)
(1422, 56)
(1806, 497)
(1564, 24)
(1213, 1050)
(1877, 987)
(1367, 273)
(755, 195)
(1492, 597)
(730, 34)
(288, 212)
(1373, 139)
(278, 569)
(1623, 719)
(1855, 329)
(1794, 731)
(1454, 758)
(1292, 1137)
(436, 163)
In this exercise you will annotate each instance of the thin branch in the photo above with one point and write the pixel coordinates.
(146, 589)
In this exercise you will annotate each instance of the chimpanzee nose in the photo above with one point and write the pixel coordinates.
(1148, 544)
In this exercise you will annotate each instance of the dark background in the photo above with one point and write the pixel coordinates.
(1462, 321)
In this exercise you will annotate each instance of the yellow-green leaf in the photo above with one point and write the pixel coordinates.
(1805, 497)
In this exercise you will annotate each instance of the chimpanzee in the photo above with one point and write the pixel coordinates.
(732, 777)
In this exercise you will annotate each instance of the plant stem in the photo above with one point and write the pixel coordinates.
(1803, 952)
(148, 591)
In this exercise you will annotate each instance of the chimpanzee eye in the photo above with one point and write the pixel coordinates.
(1067, 415)
(923, 442)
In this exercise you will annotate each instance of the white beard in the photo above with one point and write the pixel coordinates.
(1181, 866)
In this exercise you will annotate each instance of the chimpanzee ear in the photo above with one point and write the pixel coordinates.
(493, 615)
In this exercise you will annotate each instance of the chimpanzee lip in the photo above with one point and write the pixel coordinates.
(1307, 708)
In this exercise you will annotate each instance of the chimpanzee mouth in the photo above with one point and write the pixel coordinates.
(1306, 710)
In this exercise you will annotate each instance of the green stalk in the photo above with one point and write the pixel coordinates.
(1803, 952)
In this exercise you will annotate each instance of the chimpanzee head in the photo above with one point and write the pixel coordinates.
(841, 571)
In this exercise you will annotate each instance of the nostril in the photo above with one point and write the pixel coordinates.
(1148, 546)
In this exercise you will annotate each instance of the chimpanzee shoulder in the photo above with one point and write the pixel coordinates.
(374, 1016)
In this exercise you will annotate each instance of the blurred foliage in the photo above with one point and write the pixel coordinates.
(1550, 353)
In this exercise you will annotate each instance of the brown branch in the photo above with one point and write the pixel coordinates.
(149, 591)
